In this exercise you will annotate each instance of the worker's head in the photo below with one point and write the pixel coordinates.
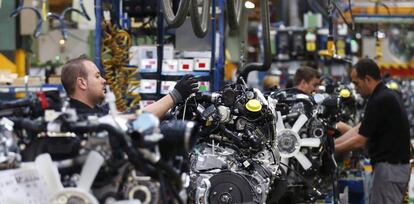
(271, 82)
(83, 81)
(307, 79)
(365, 75)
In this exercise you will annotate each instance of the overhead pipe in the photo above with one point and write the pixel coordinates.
(160, 36)
(98, 31)
(213, 44)
(267, 58)
(219, 66)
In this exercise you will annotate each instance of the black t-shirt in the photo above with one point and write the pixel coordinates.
(386, 126)
(84, 110)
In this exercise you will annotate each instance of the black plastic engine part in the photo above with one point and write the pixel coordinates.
(229, 96)
(58, 147)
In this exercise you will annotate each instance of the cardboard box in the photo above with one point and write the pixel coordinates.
(33, 81)
(54, 80)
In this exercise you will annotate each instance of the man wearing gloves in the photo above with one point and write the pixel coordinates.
(86, 89)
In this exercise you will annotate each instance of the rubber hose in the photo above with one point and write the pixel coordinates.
(175, 20)
(200, 22)
(234, 10)
(264, 15)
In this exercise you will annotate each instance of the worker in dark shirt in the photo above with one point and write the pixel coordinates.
(306, 81)
(86, 89)
(384, 130)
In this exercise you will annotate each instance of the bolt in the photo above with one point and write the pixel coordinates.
(225, 198)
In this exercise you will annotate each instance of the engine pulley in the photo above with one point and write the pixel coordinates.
(142, 188)
(288, 143)
(228, 187)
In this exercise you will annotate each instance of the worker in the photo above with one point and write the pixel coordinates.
(384, 130)
(306, 80)
(271, 83)
(86, 89)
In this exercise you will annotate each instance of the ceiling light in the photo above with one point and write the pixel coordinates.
(249, 5)
(62, 42)
(380, 34)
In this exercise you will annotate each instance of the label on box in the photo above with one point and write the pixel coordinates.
(203, 86)
(148, 86)
(167, 86)
(169, 65)
(147, 52)
(202, 64)
(148, 65)
(138, 53)
(168, 52)
(185, 65)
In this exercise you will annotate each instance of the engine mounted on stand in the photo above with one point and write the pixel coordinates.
(306, 145)
(235, 159)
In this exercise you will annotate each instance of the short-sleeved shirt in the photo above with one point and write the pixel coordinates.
(84, 110)
(386, 126)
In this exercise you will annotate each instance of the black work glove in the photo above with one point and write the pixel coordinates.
(184, 88)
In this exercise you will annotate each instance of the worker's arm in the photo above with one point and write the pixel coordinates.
(160, 107)
(353, 142)
(348, 134)
(343, 127)
(182, 90)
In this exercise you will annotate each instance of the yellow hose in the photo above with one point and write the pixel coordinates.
(121, 79)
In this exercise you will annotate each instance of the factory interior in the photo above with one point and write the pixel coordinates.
(206, 101)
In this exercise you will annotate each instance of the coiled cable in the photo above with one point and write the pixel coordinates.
(121, 78)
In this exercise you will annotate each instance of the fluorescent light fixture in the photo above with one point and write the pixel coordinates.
(380, 34)
(249, 5)
(61, 42)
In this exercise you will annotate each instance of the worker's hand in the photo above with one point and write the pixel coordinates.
(184, 88)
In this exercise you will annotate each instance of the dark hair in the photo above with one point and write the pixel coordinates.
(367, 67)
(289, 83)
(305, 73)
(73, 69)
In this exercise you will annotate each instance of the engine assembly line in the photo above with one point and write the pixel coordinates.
(206, 101)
